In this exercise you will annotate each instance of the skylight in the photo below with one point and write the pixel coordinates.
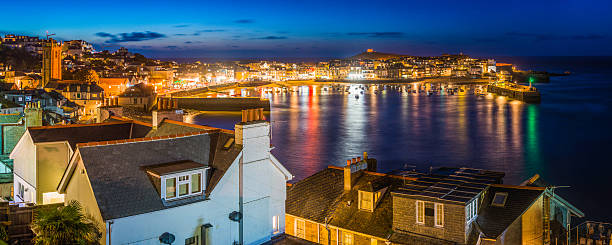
(499, 199)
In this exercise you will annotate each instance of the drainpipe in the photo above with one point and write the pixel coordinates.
(109, 231)
(241, 201)
(328, 231)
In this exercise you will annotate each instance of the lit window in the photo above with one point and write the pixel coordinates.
(499, 199)
(300, 228)
(439, 214)
(171, 188)
(365, 200)
(182, 184)
(275, 224)
(196, 182)
(347, 239)
(420, 212)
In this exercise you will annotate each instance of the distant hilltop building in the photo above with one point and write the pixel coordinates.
(370, 50)
(52, 62)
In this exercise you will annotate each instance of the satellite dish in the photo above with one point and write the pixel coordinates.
(167, 238)
(235, 216)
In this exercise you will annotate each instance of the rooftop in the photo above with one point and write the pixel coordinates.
(173, 167)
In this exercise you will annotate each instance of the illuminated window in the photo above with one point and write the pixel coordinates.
(365, 200)
(499, 199)
(300, 228)
(439, 214)
(420, 212)
(347, 239)
(171, 188)
(275, 224)
(182, 184)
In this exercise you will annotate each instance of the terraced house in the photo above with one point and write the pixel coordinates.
(357, 205)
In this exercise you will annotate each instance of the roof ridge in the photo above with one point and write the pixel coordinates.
(78, 125)
(143, 139)
(537, 188)
(197, 126)
(378, 174)
(127, 119)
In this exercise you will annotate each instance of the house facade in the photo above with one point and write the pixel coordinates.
(198, 184)
(356, 205)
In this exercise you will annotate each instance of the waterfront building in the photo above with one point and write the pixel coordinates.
(87, 95)
(357, 205)
(52, 62)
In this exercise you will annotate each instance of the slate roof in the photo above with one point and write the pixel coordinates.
(82, 133)
(122, 187)
(494, 220)
(321, 197)
(173, 167)
(451, 184)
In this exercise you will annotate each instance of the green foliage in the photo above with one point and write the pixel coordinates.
(64, 225)
(3, 234)
(19, 59)
(90, 76)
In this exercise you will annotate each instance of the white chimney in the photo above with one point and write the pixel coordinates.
(253, 133)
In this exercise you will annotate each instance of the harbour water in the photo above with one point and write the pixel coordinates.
(567, 138)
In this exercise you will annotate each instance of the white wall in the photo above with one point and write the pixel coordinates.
(264, 190)
(24, 167)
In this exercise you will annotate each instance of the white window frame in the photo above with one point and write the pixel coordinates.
(438, 214)
(295, 228)
(176, 176)
(471, 210)
(422, 212)
(275, 224)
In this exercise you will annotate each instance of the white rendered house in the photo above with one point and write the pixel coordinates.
(207, 186)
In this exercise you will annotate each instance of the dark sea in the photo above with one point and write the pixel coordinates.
(567, 139)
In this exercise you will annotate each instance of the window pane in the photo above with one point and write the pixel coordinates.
(170, 188)
(183, 189)
(196, 183)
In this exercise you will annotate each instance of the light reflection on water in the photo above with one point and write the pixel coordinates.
(566, 139)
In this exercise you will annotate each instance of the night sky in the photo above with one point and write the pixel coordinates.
(322, 28)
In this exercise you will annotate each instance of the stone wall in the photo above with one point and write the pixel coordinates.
(404, 218)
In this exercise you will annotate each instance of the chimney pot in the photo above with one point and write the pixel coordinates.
(244, 116)
(358, 159)
(348, 162)
(159, 104)
(354, 161)
(365, 155)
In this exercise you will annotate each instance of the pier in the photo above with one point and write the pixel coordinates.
(516, 91)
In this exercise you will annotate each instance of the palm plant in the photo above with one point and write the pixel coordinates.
(64, 225)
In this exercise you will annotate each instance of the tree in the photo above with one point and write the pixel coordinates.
(89, 76)
(64, 225)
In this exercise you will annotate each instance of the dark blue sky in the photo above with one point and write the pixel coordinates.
(322, 28)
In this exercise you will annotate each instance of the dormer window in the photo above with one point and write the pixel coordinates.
(368, 200)
(184, 184)
(178, 180)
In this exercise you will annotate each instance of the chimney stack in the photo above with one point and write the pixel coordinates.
(348, 178)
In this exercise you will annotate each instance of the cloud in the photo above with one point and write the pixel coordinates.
(244, 21)
(235, 46)
(197, 33)
(391, 34)
(130, 37)
(146, 47)
(171, 47)
(553, 37)
(188, 42)
(269, 38)
(488, 39)
(181, 26)
(180, 34)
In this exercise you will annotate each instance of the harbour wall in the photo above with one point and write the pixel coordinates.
(522, 94)
(223, 104)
